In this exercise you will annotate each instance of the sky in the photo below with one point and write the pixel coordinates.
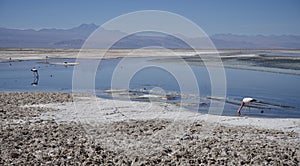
(247, 17)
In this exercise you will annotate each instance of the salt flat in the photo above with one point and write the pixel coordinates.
(94, 110)
(36, 53)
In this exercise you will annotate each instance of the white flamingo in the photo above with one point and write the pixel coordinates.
(246, 101)
(35, 72)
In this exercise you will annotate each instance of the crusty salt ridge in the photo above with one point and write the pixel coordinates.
(27, 139)
(98, 118)
(144, 129)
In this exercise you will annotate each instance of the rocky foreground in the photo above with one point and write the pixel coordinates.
(27, 139)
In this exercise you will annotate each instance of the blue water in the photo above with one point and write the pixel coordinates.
(279, 94)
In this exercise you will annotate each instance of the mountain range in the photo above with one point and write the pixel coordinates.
(75, 37)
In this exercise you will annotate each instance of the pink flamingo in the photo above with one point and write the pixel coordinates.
(247, 101)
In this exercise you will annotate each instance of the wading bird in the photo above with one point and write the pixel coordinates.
(35, 72)
(246, 101)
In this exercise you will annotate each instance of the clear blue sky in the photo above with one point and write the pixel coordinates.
(213, 16)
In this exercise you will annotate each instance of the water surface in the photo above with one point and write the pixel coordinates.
(278, 94)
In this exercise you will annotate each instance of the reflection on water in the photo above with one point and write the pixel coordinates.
(35, 81)
(19, 77)
(146, 95)
(35, 77)
(278, 95)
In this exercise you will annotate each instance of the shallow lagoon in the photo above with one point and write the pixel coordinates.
(279, 94)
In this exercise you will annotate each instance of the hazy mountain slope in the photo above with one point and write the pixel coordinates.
(75, 37)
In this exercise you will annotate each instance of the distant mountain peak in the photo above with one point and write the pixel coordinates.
(90, 26)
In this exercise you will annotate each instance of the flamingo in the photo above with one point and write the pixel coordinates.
(247, 101)
(35, 72)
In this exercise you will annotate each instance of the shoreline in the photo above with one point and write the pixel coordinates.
(45, 131)
(231, 58)
(135, 110)
(35, 54)
(20, 54)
